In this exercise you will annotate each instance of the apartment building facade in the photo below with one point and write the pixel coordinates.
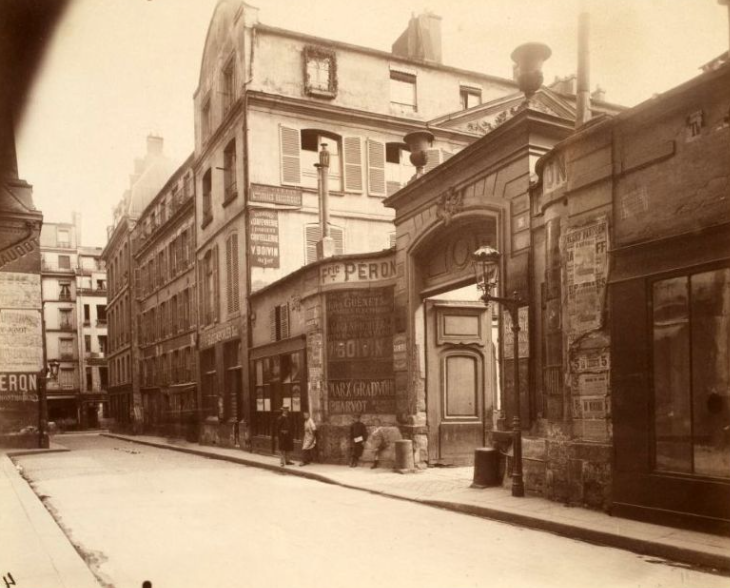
(150, 174)
(165, 308)
(74, 314)
(267, 100)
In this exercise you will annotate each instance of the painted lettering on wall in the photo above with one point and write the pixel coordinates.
(18, 387)
(357, 271)
(263, 239)
(554, 174)
(360, 351)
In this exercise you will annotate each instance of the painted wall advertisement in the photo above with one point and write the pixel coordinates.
(586, 276)
(360, 351)
(263, 237)
(21, 342)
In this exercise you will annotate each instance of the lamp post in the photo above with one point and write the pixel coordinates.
(46, 373)
(486, 262)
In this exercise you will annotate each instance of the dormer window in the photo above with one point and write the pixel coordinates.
(320, 72)
(470, 96)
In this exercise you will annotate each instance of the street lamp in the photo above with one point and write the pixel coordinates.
(486, 262)
(48, 372)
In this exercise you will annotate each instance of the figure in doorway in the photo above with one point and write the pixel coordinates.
(285, 434)
(358, 436)
(309, 441)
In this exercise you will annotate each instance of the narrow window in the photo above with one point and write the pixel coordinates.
(403, 90)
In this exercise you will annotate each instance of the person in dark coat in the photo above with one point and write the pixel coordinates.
(358, 436)
(285, 433)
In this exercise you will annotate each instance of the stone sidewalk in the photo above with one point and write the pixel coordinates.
(449, 488)
(34, 550)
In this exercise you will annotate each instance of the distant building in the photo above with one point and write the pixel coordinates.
(21, 335)
(163, 250)
(74, 308)
(150, 174)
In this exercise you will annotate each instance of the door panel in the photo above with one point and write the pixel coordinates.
(457, 343)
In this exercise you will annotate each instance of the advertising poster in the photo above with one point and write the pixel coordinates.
(263, 239)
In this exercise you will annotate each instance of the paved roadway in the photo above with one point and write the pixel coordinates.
(182, 521)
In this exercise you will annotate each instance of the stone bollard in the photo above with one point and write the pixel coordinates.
(486, 467)
(404, 463)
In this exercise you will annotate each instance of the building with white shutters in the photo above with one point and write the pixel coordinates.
(267, 100)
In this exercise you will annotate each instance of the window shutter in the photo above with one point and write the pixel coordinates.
(229, 277)
(311, 238)
(434, 159)
(290, 149)
(338, 236)
(393, 187)
(234, 271)
(376, 168)
(391, 240)
(272, 322)
(352, 147)
(284, 321)
(216, 285)
(201, 298)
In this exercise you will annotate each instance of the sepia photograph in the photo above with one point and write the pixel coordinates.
(346, 294)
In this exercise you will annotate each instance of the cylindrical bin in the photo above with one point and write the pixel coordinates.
(486, 467)
(404, 456)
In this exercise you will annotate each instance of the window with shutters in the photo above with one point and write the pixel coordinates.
(353, 164)
(398, 167)
(211, 287)
(229, 173)
(161, 267)
(279, 317)
(311, 141)
(207, 185)
(174, 323)
(290, 147)
(185, 248)
(162, 316)
(376, 168)
(470, 96)
(232, 290)
(312, 235)
(403, 91)
(172, 257)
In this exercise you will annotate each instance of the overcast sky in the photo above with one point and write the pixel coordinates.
(118, 70)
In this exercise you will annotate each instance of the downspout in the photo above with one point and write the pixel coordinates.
(249, 323)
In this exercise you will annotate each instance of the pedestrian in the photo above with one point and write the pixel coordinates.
(379, 444)
(285, 433)
(310, 439)
(358, 435)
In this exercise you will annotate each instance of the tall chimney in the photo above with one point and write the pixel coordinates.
(421, 41)
(583, 95)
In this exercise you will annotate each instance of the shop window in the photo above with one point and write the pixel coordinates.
(691, 373)
(312, 235)
(403, 90)
(229, 173)
(208, 377)
(470, 96)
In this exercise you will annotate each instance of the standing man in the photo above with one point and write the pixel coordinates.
(310, 439)
(358, 435)
(285, 433)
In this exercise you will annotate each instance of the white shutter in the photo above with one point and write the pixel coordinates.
(352, 147)
(311, 237)
(376, 168)
(290, 150)
(434, 159)
(338, 236)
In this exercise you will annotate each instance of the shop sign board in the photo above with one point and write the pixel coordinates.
(263, 239)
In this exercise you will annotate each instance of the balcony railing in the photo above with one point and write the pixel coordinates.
(63, 296)
(66, 356)
(54, 267)
(63, 244)
(66, 327)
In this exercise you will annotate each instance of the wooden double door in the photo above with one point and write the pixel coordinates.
(460, 379)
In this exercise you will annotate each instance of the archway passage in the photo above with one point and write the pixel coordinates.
(456, 333)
